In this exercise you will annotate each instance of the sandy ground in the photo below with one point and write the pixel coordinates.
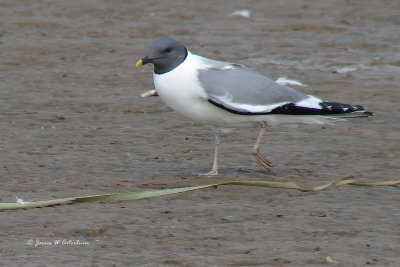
(72, 123)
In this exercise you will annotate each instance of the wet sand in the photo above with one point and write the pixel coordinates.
(72, 123)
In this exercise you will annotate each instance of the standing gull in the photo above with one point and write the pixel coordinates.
(227, 95)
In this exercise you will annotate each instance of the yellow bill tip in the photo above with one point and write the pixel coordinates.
(139, 63)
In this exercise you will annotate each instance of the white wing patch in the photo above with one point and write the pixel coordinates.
(311, 102)
(285, 81)
(228, 67)
(259, 108)
(227, 101)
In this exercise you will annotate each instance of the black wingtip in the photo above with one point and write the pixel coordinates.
(339, 108)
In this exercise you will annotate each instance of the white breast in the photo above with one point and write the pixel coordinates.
(181, 91)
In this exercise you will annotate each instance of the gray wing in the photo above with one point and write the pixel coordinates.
(240, 89)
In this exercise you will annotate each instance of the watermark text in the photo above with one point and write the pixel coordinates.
(56, 242)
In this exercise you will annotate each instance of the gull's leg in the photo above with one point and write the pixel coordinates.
(214, 170)
(260, 158)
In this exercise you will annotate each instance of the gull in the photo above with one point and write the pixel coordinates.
(227, 95)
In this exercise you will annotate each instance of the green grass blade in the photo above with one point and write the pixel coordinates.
(94, 198)
(36, 204)
(376, 183)
(155, 193)
(272, 184)
(138, 195)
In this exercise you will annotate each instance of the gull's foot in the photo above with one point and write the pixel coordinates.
(213, 172)
(262, 160)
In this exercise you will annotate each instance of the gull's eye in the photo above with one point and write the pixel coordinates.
(168, 50)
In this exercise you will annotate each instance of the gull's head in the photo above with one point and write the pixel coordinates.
(165, 54)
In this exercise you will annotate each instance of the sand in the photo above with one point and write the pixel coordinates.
(72, 123)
